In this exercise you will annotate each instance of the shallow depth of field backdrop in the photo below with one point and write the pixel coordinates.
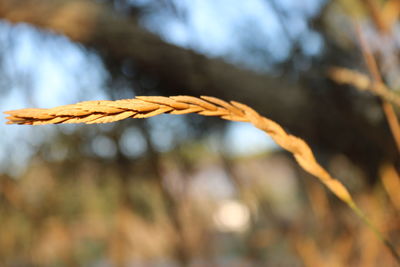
(189, 190)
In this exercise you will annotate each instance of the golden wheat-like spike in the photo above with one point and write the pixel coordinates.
(147, 106)
(195, 101)
(224, 104)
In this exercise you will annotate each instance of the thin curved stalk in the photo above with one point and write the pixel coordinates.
(90, 112)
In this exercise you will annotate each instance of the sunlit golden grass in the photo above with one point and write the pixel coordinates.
(147, 106)
(363, 83)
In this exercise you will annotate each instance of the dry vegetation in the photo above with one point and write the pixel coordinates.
(82, 210)
(147, 106)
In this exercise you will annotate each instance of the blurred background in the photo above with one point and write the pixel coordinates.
(188, 190)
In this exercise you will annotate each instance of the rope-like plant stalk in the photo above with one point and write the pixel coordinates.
(147, 106)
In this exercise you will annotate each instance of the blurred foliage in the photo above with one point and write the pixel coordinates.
(89, 212)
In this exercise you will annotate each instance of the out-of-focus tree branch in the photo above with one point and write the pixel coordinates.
(98, 26)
